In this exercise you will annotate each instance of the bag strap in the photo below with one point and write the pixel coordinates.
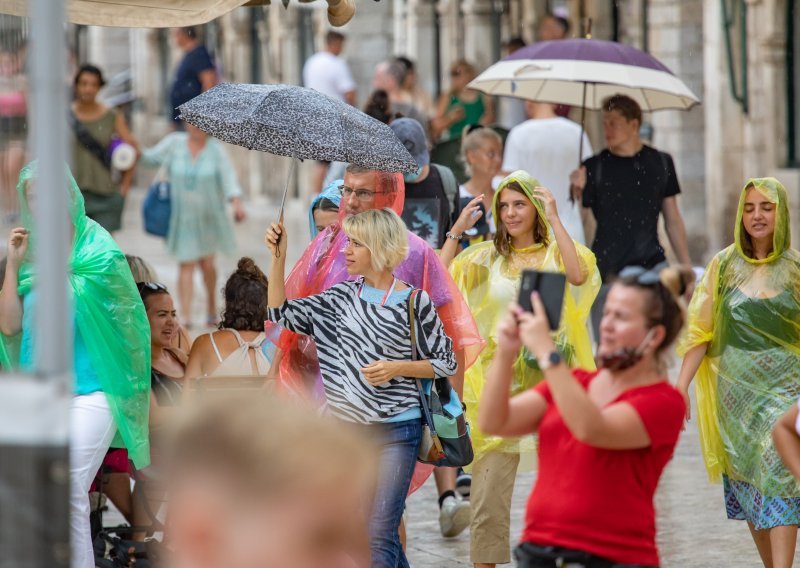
(88, 141)
(450, 186)
(423, 401)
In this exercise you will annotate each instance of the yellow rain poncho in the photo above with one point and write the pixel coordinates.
(490, 282)
(747, 312)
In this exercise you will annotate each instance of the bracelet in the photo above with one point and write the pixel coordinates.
(450, 235)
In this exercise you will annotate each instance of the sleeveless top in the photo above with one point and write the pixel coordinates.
(90, 174)
(238, 362)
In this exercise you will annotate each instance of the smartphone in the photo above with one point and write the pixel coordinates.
(551, 287)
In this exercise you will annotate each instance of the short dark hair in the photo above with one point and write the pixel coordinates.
(333, 37)
(515, 43)
(405, 61)
(91, 70)
(624, 105)
(190, 31)
(379, 107)
(563, 22)
(245, 298)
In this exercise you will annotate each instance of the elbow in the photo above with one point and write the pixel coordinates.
(577, 279)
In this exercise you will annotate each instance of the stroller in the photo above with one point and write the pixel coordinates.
(118, 546)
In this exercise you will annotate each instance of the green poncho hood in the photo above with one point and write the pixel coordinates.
(109, 315)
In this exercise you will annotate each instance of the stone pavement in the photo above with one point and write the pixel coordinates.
(692, 528)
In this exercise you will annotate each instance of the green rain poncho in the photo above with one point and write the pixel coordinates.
(109, 315)
(490, 282)
(747, 312)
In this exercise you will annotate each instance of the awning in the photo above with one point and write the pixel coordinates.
(162, 13)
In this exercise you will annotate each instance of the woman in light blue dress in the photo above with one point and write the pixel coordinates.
(202, 179)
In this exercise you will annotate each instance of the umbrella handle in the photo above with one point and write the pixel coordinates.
(283, 202)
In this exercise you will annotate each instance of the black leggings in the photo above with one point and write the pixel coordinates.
(529, 555)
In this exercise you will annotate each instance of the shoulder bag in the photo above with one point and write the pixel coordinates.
(157, 205)
(445, 432)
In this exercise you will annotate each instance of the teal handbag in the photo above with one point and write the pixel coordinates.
(445, 433)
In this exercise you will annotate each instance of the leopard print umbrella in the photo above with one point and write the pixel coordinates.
(298, 122)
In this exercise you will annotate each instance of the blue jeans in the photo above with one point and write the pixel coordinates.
(399, 446)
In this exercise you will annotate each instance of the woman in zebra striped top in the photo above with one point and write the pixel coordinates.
(363, 340)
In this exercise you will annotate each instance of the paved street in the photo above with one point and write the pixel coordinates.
(693, 531)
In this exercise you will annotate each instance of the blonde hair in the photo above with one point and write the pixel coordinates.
(140, 269)
(474, 140)
(384, 234)
(266, 446)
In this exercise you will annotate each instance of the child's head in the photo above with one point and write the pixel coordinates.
(261, 483)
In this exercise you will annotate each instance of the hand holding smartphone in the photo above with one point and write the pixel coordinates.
(551, 287)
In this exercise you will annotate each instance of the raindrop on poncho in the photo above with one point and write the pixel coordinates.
(490, 282)
(747, 311)
(109, 315)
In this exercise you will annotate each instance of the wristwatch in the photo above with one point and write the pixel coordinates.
(552, 360)
(451, 236)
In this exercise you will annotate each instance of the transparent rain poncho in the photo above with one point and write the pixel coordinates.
(109, 315)
(490, 282)
(747, 312)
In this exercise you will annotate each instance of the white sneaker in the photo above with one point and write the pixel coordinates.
(454, 516)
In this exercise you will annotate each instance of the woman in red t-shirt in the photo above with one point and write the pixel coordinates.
(605, 436)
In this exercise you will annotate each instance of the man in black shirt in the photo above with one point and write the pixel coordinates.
(195, 73)
(627, 186)
(430, 192)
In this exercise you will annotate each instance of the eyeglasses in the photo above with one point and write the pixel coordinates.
(643, 276)
(361, 194)
(152, 286)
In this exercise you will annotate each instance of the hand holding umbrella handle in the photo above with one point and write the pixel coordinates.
(275, 238)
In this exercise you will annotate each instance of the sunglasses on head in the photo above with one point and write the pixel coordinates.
(152, 286)
(643, 276)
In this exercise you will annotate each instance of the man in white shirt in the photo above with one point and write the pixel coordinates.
(547, 146)
(328, 73)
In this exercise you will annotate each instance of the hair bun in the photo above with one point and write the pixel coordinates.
(247, 266)
(677, 279)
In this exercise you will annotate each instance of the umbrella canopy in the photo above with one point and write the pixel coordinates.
(294, 121)
(559, 71)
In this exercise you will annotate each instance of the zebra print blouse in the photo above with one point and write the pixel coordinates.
(350, 333)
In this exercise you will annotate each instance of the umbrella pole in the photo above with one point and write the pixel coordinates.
(574, 190)
(292, 169)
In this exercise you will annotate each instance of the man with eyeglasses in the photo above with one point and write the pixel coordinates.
(323, 265)
(546, 146)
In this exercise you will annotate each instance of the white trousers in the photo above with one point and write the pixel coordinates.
(91, 432)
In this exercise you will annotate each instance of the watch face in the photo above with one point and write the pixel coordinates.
(554, 358)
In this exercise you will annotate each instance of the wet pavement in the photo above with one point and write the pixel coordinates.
(692, 528)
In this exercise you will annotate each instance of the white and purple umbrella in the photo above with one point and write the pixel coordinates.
(583, 72)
